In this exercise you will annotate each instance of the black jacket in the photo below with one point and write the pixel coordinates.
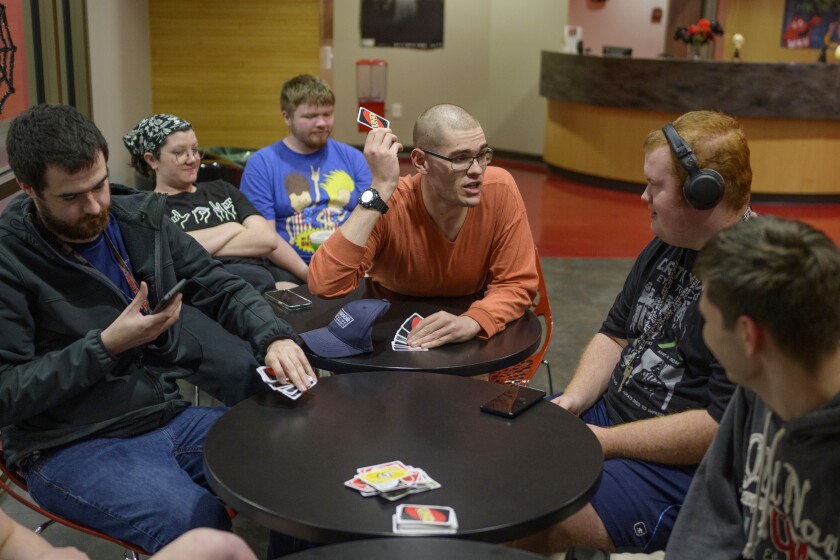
(58, 384)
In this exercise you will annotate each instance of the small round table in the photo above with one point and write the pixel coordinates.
(414, 549)
(517, 341)
(283, 463)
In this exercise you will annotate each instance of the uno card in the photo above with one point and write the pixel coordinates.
(371, 119)
(400, 341)
(360, 486)
(398, 494)
(408, 325)
(419, 530)
(292, 392)
(418, 519)
(384, 479)
(412, 321)
(410, 514)
(267, 375)
(414, 476)
(405, 348)
(369, 468)
(282, 386)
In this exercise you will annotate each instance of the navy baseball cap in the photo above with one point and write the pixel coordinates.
(349, 333)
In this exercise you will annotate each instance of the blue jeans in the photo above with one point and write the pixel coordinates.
(147, 489)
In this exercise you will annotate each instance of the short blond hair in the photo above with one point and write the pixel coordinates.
(305, 89)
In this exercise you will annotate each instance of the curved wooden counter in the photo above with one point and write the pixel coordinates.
(601, 109)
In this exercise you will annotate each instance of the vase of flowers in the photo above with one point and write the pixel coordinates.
(697, 35)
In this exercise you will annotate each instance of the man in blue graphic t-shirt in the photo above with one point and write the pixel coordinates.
(307, 181)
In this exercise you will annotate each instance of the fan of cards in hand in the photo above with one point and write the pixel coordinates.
(392, 481)
(283, 386)
(412, 519)
(400, 342)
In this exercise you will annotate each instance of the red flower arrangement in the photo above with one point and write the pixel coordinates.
(699, 33)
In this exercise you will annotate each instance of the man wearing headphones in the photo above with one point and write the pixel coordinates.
(646, 384)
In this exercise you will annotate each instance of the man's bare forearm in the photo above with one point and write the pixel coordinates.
(592, 375)
(676, 439)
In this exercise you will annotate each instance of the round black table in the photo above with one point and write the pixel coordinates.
(414, 549)
(283, 463)
(517, 341)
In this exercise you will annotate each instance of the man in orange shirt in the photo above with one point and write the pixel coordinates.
(457, 227)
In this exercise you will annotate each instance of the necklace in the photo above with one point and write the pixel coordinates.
(657, 317)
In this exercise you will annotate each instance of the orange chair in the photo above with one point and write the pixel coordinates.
(12, 483)
(521, 373)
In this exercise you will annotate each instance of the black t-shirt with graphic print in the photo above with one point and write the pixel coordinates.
(675, 371)
(212, 204)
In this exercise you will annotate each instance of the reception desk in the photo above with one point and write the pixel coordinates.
(601, 109)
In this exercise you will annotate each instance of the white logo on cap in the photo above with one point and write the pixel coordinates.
(343, 318)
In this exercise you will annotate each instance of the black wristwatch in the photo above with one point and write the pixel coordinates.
(370, 199)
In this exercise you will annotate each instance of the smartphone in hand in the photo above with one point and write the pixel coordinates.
(169, 296)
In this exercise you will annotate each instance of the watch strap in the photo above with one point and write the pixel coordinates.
(377, 203)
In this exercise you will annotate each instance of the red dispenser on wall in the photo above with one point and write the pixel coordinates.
(371, 78)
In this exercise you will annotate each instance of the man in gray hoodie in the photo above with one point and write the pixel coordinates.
(765, 489)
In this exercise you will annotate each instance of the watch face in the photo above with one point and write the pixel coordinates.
(367, 197)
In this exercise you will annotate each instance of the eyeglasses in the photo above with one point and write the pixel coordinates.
(181, 156)
(463, 163)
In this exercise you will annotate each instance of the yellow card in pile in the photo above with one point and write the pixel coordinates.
(386, 478)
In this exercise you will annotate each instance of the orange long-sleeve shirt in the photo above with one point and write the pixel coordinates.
(409, 254)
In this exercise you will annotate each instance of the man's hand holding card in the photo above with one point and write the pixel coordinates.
(442, 328)
(286, 358)
(282, 385)
(371, 119)
(381, 149)
(400, 341)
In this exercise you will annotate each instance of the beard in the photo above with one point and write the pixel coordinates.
(85, 229)
(312, 140)
(315, 142)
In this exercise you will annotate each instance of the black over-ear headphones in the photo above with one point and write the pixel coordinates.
(703, 188)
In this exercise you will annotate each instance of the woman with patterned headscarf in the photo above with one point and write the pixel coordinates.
(214, 213)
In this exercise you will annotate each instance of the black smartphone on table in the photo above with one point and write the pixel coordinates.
(513, 401)
(168, 296)
(287, 299)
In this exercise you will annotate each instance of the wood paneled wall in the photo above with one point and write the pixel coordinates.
(220, 64)
(788, 156)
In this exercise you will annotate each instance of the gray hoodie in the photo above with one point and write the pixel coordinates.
(767, 489)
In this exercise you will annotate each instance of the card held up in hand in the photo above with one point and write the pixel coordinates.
(371, 119)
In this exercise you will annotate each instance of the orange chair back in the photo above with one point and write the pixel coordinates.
(521, 373)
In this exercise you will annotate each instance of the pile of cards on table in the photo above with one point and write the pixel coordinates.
(411, 519)
(392, 480)
(400, 341)
(267, 374)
